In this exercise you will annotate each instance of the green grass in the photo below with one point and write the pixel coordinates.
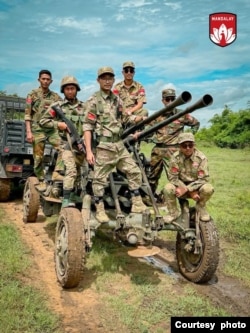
(22, 308)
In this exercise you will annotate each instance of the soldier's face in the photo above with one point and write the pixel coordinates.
(45, 81)
(187, 148)
(70, 91)
(128, 73)
(106, 82)
(168, 100)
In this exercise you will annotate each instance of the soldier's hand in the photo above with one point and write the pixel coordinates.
(62, 126)
(90, 157)
(180, 191)
(194, 195)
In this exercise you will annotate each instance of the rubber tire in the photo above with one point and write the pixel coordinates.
(199, 268)
(69, 248)
(31, 200)
(5, 188)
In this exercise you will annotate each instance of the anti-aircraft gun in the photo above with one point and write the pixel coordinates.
(196, 242)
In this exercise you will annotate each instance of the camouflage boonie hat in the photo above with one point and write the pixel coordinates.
(183, 137)
(168, 93)
(105, 70)
(128, 64)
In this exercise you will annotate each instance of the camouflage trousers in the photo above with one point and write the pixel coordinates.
(160, 158)
(73, 163)
(40, 139)
(112, 156)
(205, 192)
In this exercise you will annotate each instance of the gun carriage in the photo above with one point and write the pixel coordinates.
(197, 243)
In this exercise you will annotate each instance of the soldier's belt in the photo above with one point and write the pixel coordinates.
(164, 145)
(114, 138)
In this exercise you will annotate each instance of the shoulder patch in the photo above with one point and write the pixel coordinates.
(91, 116)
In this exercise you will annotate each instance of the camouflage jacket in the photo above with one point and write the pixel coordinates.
(130, 96)
(74, 112)
(189, 172)
(103, 115)
(169, 133)
(37, 103)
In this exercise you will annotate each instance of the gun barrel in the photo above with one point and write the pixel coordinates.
(183, 98)
(206, 100)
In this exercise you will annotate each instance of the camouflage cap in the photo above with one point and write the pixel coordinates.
(183, 137)
(128, 64)
(168, 92)
(105, 70)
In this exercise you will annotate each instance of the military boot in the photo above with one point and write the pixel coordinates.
(42, 186)
(56, 176)
(137, 205)
(101, 215)
(172, 210)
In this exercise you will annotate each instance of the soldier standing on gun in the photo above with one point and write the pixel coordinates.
(188, 178)
(103, 117)
(132, 94)
(166, 139)
(72, 156)
(37, 102)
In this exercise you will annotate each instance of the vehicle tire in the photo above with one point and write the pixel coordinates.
(199, 268)
(69, 248)
(31, 200)
(5, 187)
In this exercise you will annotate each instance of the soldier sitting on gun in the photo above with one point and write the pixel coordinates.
(72, 156)
(188, 176)
(166, 139)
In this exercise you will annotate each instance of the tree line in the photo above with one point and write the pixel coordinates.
(228, 130)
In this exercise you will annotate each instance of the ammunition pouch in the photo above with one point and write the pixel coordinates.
(113, 139)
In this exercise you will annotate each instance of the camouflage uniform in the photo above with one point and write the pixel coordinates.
(72, 160)
(102, 117)
(190, 173)
(166, 142)
(36, 104)
(130, 96)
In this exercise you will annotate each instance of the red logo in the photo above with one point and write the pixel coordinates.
(222, 28)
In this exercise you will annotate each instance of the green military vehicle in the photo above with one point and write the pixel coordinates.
(16, 154)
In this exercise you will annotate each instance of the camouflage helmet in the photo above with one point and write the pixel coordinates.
(168, 93)
(69, 80)
(186, 136)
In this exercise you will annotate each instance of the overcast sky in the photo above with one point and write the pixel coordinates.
(167, 40)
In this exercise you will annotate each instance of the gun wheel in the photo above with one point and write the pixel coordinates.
(69, 248)
(31, 200)
(5, 187)
(199, 268)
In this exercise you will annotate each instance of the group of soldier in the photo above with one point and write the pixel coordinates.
(105, 115)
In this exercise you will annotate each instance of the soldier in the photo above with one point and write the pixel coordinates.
(72, 156)
(37, 102)
(103, 117)
(132, 94)
(188, 178)
(166, 139)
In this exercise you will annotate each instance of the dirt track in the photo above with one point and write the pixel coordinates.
(79, 307)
